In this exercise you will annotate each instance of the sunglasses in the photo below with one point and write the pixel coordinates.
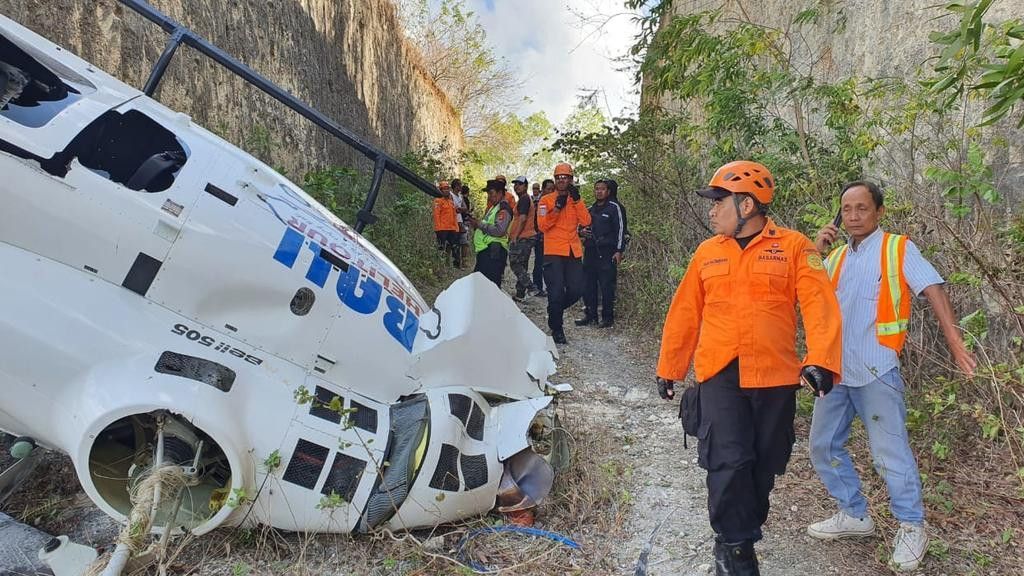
(563, 177)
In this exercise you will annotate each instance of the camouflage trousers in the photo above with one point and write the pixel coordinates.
(519, 261)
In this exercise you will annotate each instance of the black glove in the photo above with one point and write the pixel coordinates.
(817, 378)
(560, 201)
(666, 388)
(574, 192)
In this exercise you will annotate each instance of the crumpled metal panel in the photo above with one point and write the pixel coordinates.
(485, 343)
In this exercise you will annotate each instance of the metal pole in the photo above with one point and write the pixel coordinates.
(161, 64)
(252, 77)
(365, 215)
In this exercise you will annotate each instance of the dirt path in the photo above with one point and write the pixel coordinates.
(613, 374)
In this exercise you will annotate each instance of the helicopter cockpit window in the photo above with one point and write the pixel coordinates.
(131, 149)
(31, 93)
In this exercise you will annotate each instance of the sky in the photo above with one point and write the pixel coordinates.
(558, 55)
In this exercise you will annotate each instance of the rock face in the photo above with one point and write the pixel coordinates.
(348, 58)
(868, 39)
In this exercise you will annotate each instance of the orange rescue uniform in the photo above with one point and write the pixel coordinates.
(560, 229)
(526, 221)
(741, 303)
(445, 219)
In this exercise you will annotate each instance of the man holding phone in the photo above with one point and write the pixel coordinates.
(559, 217)
(876, 275)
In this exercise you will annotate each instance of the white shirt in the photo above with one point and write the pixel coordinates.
(860, 279)
(457, 200)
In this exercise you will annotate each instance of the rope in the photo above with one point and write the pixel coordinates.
(537, 532)
(171, 480)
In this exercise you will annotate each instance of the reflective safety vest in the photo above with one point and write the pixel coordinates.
(480, 240)
(893, 314)
(530, 219)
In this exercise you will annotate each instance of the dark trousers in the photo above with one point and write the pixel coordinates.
(599, 276)
(491, 262)
(564, 277)
(448, 241)
(538, 262)
(744, 441)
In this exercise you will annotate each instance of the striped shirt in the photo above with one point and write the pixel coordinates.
(864, 359)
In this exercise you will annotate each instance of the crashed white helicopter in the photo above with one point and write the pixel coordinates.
(165, 298)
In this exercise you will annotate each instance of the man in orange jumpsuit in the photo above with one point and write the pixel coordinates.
(734, 316)
(559, 217)
(446, 223)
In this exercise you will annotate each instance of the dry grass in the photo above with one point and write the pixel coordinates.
(973, 504)
(588, 505)
(53, 499)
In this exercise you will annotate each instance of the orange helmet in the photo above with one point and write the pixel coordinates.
(501, 177)
(741, 177)
(563, 169)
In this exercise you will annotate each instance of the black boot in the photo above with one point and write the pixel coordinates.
(559, 337)
(606, 323)
(736, 559)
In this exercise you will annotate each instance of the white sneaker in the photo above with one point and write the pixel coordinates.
(842, 525)
(910, 546)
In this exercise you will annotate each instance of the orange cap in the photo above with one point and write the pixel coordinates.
(741, 177)
(563, 169)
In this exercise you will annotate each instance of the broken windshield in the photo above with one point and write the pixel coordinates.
(31, 91)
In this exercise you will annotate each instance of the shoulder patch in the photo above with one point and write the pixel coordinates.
(542, 210)
(814, 261)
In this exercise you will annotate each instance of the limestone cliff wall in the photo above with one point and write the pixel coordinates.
(348, 58)
(872, 38)
(867, 39)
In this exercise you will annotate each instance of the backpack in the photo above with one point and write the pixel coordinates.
(689, 412)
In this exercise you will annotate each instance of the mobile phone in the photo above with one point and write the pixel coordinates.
(838, 220)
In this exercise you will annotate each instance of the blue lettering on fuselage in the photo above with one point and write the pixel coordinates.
(357, 291)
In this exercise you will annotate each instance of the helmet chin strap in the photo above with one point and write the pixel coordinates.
(741, 221)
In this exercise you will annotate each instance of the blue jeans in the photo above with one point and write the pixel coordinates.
(881, 407)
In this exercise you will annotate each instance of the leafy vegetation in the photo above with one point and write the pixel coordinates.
(404, 229)
(719, 86)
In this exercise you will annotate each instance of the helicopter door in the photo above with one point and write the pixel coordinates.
(111, 202)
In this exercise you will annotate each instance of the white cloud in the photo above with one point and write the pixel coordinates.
(558, 56)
